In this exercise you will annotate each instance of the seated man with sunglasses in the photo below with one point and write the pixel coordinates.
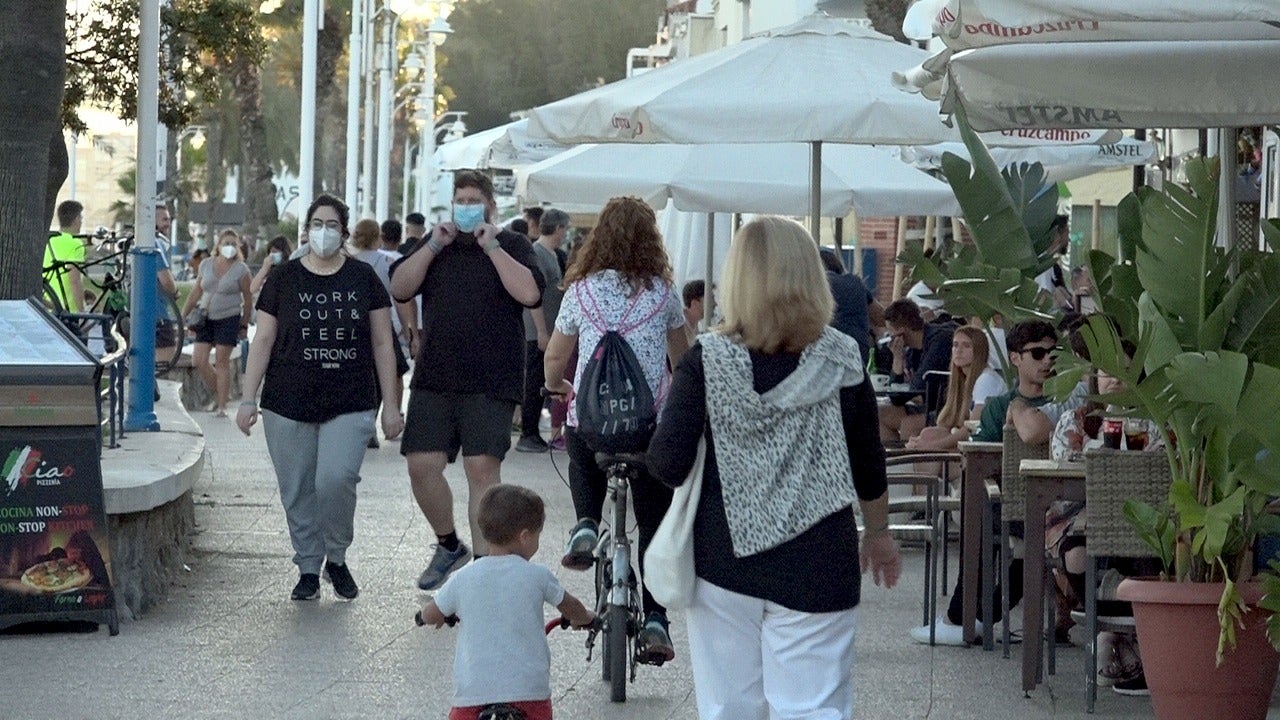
(1026, 407)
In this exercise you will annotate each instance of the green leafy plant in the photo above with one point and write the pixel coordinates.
(1009, 214)
(1203, 319)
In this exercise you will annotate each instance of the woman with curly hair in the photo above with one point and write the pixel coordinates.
(621, 279)
(972, 381)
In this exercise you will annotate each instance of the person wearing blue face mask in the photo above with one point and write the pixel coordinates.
(475, 281)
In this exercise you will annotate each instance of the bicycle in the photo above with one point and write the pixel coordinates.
(618, 600)
(112, 298)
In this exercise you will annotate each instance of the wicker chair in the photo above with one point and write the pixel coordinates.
(1013, 502)
(1113, 477)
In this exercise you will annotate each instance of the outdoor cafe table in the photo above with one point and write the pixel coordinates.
(978, 461)
(1047, 481)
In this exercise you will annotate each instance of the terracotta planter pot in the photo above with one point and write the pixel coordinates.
(1178, 638)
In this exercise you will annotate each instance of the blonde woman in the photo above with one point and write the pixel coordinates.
(222, 289)
(790, 424)
(366, 242)
(972, 381)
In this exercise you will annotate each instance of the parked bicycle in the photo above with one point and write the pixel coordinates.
(109, 278)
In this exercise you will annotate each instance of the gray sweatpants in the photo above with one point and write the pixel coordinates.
(317, 467)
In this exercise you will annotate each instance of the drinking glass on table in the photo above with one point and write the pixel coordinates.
(1112, 432)
(1135, 433)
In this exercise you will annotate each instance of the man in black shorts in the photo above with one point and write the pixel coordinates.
(475, 281)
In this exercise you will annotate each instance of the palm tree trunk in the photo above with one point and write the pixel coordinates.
(260, 195)
(329, 47)
(215, 180)
(32, 70)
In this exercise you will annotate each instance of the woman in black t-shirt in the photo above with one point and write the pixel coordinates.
(324, 345)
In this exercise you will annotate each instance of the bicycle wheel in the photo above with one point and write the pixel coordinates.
(52, 302)
(616, 653)
(603, 581)
(170, 333)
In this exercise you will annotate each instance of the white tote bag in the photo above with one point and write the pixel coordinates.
(668, 562)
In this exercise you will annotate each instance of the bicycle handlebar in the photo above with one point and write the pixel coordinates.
(560, 622)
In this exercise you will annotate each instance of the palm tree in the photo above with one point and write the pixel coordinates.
(887, 15)
(127, 183)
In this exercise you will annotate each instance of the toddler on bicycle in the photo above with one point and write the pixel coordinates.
(502, 655)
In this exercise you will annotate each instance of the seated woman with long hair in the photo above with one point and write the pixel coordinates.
(972, 382)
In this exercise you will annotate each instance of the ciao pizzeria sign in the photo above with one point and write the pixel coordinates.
(54, 555)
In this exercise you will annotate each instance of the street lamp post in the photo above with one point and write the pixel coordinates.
(307, 141)
(437, 33)
(436, 10)
(354, 76)
(386, 78)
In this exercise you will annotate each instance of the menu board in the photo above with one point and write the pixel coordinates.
(31, 337)
(55, 561)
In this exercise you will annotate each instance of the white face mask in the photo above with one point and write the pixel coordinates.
(325, 242)
(228, 251)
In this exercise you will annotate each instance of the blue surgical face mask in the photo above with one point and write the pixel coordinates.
(468, 217)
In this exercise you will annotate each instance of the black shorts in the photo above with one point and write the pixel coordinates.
(166, 333)
(445, 422)
(402, 365)
(220, 332)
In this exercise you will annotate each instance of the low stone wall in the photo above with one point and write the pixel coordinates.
(194, 394)
(147, 489)
(147, 549)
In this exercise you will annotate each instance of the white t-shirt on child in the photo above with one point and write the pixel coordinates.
(502, 653)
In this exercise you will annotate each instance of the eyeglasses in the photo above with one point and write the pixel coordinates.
(1036, 353)
(327, 224)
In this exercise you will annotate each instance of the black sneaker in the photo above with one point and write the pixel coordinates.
(1136, 686)
(308, 587)
(532, 444)
(654, 642)
(579, 554)
(344, 586)
(373, 443)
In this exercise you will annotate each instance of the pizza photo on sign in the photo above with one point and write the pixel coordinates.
(55, 576)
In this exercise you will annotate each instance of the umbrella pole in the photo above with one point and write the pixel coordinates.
(815, 190)
(899, 270)
(709, 297)
(1227, 169)
(856, 243)
(1096, 244)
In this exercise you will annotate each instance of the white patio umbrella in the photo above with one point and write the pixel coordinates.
(1101, 64)
(817, 81)
(1061, 162)
(1031, 64)
(505, 147)
(748, 178)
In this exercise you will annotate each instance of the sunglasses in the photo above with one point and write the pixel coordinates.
(1037, 353)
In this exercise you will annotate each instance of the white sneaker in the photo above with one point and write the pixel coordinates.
(944, 633)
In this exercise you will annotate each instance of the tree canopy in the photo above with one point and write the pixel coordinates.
(507, 56)
(196, 36)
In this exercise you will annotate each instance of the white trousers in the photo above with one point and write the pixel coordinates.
(757, 660)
